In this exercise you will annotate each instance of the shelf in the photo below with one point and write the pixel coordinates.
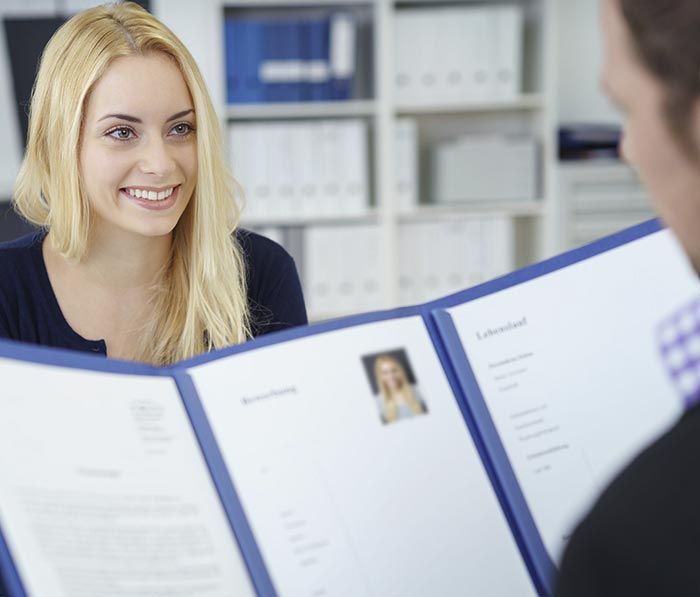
(525, 102)
(370, 217)
(423, 212)
(412, 3)
(286, 4)
(323, 317)
(300, 110)
(511, 208)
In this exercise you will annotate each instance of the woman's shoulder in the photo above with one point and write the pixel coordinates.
(24, 242)
(20, 281)
(259, 248)
(17, 254)
(274, 289)
(267, 262)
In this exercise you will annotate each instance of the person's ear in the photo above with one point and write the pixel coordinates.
(695, 127)
(626, 147)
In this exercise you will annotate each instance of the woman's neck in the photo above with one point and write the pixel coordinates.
(399, 396)
(118, 260)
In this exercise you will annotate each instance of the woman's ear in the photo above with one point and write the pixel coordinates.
(695, 127)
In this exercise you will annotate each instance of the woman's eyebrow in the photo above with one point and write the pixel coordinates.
(134, 119)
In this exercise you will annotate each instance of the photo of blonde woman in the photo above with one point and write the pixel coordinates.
(394, 385)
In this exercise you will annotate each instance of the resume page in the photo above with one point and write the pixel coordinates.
(355, 467)
(104, 490)
(569, 368)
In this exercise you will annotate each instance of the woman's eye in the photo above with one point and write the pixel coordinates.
(121, 133)
(183, 129)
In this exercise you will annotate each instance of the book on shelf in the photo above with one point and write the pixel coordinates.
(448, 55)
(484, 168)
(341, 271)
(446, 448)
(272, 59)
(341, 274)
(302, 168)
(406, 163)
(443, 256)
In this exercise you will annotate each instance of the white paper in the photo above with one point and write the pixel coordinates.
(104, 489)
(341, 503)
(573, 378)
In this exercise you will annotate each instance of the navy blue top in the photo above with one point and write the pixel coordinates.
(29, 310)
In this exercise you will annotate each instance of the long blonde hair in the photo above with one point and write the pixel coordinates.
(201, 302)
(389, 406)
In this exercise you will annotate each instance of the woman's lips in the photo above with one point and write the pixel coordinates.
(166, 203)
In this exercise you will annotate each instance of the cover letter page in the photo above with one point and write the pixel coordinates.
(104, 490)
(355, 467)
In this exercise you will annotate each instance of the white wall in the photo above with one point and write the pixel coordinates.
(11, 147)
(579, 60)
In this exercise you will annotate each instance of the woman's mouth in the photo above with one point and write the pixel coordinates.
(151, 200)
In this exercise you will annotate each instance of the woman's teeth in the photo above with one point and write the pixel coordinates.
(150, 195)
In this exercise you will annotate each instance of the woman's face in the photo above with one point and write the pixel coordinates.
(390, 375)
(672, 177)
(138, 139)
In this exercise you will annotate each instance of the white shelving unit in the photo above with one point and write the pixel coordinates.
(526, 102)
(597, 199)
(300, 110)
(532, 111)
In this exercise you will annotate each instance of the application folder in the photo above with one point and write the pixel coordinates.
(448, 448)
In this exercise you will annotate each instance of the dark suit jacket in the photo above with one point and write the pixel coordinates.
(643, 535)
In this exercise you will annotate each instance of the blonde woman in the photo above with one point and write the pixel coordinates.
(138, 253)
(398, 399)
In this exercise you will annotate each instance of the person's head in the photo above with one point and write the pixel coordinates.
(138, 137)
(652, 71)
(119, 59)
(390, 375)
(394, 388)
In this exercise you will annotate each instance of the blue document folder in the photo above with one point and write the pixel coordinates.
(286, 71)
(327, 442)
(244, 51)
(316, 54)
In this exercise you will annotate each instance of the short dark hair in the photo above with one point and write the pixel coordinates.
(666, 36)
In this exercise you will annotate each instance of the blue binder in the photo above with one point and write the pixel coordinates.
(451, 355)
(316, 49)
(341, 86)
(282, 45)
(243, 54)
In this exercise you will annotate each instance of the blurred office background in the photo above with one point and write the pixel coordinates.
(400, 150)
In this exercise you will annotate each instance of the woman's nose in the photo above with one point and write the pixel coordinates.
(156, 159)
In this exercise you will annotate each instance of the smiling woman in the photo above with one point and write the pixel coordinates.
(139, 254)
(146, 156)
